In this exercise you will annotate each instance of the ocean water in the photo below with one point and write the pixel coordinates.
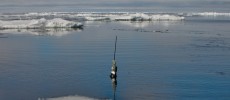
(162, 60)
(185, 59)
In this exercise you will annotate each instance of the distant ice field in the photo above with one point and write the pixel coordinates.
(69, 19)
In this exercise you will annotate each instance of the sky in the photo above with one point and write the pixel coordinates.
(161, 5)
(98, 2)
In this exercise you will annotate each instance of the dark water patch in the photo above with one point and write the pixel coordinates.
(2, 33)
(43, 31)
(3, 37)
(210, 46)
(197, 32)
(220, 73)
(219, 34)
(212, 42)
(144, 30)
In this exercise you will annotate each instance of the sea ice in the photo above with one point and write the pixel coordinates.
(39, 23)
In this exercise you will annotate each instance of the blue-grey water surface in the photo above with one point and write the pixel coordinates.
(162, 60)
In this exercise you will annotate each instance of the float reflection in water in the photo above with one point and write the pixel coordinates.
(114, 86)
(113, 74)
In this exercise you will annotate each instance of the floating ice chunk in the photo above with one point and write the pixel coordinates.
(127, 16)
(88, 18)
(40, 23)
(121, 18)
(60, 23)
(211, 14)
(167, 17)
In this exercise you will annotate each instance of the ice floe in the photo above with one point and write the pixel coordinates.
(210, 14)
(95, 16)
(39, 23)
